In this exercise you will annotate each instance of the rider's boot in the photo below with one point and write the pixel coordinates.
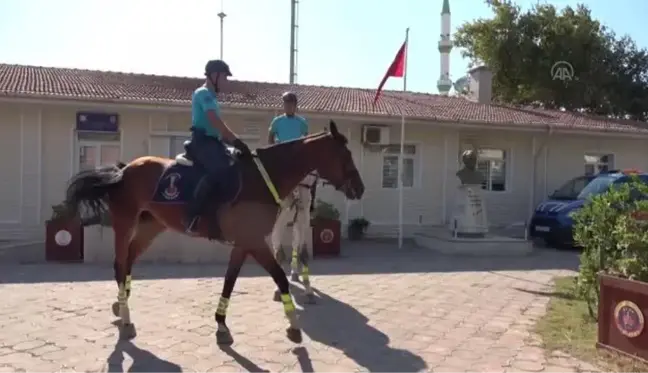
(195, 205)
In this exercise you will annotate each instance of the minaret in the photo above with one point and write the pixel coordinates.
(445, 46)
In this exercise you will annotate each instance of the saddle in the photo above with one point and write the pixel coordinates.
(186, 159)
(179, 182)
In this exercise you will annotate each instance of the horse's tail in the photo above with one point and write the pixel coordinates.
(91, 189)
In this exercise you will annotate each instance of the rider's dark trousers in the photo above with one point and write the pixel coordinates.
(210, 154)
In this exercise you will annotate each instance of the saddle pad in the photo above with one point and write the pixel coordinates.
(178, 183)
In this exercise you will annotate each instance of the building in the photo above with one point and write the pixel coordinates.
(525, 153)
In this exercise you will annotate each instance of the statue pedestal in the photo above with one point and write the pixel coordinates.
(469, 218)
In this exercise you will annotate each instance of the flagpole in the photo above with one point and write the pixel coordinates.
(402, 149)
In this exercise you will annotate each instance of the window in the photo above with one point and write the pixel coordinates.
(597, 163)
(571, 189)
(491, 163)
(176, 145)
(390, 166)
(96, 149)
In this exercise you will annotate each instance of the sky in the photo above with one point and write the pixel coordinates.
(341, 42)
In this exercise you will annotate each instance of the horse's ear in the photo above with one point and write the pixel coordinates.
(333, 128)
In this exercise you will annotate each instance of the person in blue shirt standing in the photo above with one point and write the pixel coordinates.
(208, 131)
(288, 127)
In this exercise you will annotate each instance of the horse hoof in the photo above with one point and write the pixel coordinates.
(115, 309)
(294, 335)
(224, 338)
(127, 332)
(277, 296)
(294, 277)
(311, 298)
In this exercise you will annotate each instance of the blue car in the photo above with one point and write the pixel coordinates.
(552, 220)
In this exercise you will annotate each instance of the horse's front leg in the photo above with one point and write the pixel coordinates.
(264, 257)
(237, 258)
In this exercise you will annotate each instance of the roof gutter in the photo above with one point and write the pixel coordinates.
(183, 106)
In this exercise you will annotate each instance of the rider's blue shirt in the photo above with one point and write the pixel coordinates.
(203, 100)
(287, 128)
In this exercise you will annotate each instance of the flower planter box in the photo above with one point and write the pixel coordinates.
(326, 237)
(64, 240)
(622, 308)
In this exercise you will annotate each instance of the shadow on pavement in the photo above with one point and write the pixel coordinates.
(365, 257)
(244, 362)
(304, 360)
(340, 326)
(143, 360)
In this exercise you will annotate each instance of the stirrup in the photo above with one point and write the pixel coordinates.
(191, 226)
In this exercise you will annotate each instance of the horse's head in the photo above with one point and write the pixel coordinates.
(335, 164)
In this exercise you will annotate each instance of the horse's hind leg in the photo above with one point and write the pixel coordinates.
(146, 231)
(124, 224)
(275, 238)
(300, 253)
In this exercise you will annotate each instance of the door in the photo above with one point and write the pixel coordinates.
(96, 154)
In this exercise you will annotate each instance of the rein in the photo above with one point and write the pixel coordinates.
(268, 181)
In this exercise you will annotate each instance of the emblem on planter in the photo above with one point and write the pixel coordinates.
(63, 238)
(629, 319)
(327, 236)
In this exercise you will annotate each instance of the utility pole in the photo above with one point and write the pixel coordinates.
(222, 16)
(293, 41)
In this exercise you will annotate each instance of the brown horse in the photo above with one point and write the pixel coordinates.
(145, 198)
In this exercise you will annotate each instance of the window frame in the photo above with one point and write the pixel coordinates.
(610, 163)
(417, 170)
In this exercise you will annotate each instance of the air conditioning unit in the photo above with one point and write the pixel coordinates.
(375, 135)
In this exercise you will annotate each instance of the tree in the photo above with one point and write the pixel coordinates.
(521, 48)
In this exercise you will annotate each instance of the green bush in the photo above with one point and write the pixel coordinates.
(325, 210)
(612, 229)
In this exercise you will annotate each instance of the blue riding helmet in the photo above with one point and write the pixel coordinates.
(217, 66)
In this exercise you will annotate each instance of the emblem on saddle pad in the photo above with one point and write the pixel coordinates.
(172, 191)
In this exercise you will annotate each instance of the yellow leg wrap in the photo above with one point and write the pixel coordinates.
(223, 303)
(121, 294)
(129, 278)
(305, 272)
(295, 260)
(288, 304)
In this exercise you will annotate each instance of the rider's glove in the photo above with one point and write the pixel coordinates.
(242, 147)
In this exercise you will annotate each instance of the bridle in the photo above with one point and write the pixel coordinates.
(314, 183)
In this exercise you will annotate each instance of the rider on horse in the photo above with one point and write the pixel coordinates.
(208, 132)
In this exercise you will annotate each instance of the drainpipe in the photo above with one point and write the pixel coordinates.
(536, 153)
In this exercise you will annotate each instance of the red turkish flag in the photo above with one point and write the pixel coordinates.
(396, 69)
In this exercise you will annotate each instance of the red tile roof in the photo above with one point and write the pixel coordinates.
(44, 82)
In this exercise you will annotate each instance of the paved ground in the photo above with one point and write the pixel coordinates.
(377, 311)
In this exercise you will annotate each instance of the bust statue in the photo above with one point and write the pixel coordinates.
(469, 175)
(469, 218)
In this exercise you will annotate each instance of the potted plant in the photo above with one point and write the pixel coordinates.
(613, 276)
(63, 235)
(326, 229)
(357, 228)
